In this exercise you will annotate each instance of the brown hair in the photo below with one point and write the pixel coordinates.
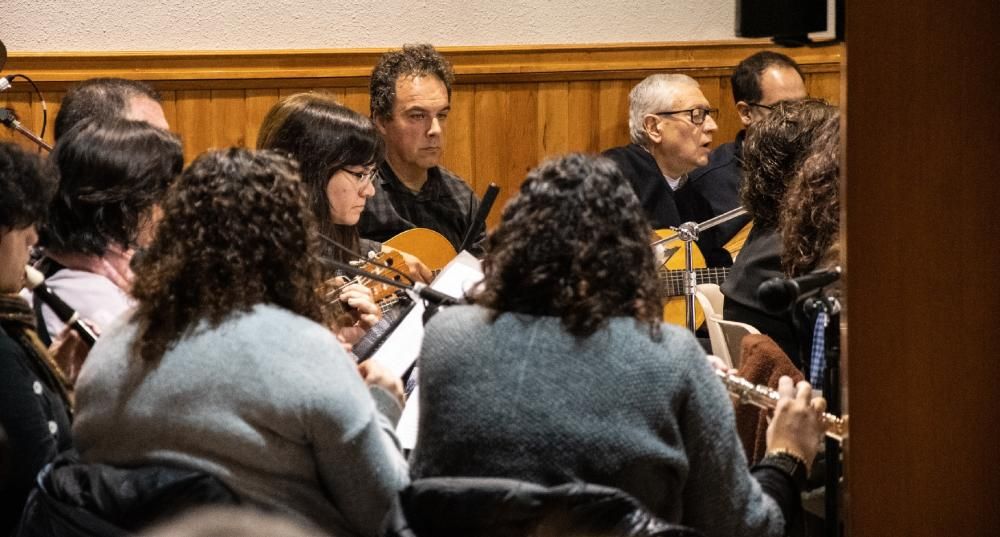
(236, 232)
(810, 215)
(561, 245)
(773, 149)
(324, 137)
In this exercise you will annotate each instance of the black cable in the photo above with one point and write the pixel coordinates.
(354, 254)
(41, 98)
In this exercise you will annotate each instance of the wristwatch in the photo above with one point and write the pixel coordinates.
(789, 463)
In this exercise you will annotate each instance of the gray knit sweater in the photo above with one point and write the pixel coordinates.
(268, 402)
(521, 398)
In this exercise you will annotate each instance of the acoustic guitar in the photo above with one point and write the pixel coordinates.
(427, 245)
(672, 274)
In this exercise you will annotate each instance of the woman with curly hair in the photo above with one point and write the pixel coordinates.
(113, 175)
(227, 364)
(773, 149)
(561, 370)
(810, 216)
(35, 401)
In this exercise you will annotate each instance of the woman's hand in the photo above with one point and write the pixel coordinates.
(797, 426)
(69, 351)
(375, 374)
(415, 268)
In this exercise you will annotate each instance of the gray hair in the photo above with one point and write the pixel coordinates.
(654, 94)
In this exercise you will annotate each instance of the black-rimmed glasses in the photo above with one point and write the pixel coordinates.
(363, 178)
(768, 107)
(698, 115)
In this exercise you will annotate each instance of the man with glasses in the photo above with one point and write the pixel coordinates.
(410, 101)
(759, 82)
(670, 125)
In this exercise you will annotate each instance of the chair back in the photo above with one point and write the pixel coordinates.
(710, 299)
(495, 507)
(76, 499)
(733, 333)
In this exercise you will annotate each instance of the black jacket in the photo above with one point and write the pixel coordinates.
(75, 499)
(496, 507)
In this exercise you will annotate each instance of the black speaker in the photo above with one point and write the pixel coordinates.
(785, 20)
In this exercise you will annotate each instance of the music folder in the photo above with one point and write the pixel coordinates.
(400, 350)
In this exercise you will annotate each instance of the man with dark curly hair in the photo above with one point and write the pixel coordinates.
(759, 82)
(410, 102)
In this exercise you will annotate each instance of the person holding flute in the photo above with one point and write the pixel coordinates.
(561, 371)
(35, 382)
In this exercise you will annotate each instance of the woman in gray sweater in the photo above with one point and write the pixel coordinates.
(562, 372)
(228, 364)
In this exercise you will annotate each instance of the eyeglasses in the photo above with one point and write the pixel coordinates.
(363, 178)
(698, 115)
(768, 107)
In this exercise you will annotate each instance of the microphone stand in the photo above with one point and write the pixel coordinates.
(9, 120)
(688, 232)
(831, 391)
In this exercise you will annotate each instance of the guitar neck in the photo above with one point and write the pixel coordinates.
(672, 281)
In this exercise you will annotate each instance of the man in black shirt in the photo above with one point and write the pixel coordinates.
(410, 102)
(759, 82)
(671, 125)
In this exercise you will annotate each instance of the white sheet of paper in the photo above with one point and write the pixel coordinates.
(401, 349)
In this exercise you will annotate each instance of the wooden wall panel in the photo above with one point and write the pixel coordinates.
(511, 106)
(258, 103)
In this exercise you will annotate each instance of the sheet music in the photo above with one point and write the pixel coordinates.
(400, 350)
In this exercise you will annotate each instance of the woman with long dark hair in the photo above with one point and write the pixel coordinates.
(561, 371)
(228, 364)
(338, 151)
(113, 175)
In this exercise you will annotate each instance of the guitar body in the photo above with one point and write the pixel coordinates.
(674, 306)
(426, 244)
(735, 244)
(673, 274)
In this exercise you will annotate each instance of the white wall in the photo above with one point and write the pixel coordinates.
(113, 25)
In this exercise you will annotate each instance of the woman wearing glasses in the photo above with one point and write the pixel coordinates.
(337, 150)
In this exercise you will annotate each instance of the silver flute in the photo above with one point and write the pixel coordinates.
(758, 395)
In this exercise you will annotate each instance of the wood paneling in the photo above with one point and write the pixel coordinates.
(511, 106)
(921, 125)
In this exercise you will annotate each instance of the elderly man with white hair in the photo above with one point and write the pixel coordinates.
(671, 125)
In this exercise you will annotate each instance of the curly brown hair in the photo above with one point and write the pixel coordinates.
(237, 231)
(412, 60)
(573, 244)
(773, 149)
(810, 216)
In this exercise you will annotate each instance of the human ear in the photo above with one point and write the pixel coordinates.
(744, 109)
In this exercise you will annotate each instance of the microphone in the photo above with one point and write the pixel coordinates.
(5, 82)
(778, 294)
(66, 314)
(479, 220)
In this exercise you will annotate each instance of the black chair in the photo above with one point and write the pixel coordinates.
(75, 499)
(494, 507)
